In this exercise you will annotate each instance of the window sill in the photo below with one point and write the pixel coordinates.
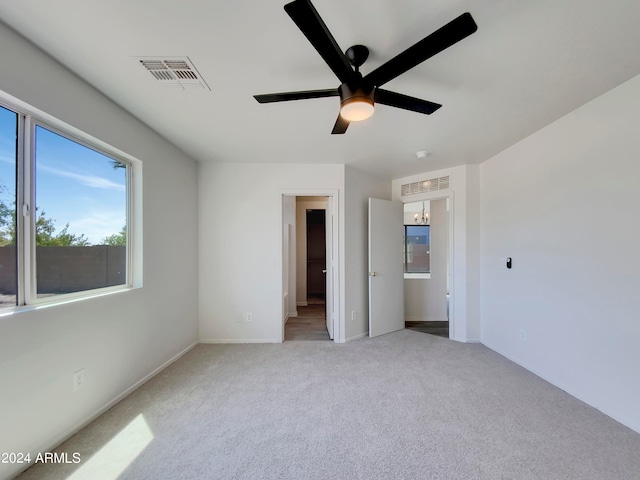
(417, 276)
(63, 299)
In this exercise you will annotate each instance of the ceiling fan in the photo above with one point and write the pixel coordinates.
(358, 94)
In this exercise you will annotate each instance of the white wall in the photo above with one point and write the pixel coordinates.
(472, 252)
(240, 244)
(289, 256)
(564, 204)
(464, 313)
(425, 299)
(118, 339)
(359, 187)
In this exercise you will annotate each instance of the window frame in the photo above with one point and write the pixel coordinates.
(28, 119)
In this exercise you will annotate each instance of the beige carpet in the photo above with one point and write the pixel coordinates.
(402, 406)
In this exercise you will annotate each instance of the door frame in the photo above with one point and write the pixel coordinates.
(338, 320)
(423, 197)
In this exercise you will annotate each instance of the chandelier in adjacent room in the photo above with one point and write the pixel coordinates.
(421, 218)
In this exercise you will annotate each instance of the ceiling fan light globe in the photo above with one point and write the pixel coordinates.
(356, 110)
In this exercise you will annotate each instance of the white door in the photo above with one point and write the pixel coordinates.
(386, 268)
(329, 267)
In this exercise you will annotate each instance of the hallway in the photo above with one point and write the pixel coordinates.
(310, 324)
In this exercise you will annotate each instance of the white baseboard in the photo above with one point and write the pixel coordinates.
(87, 420)
(302, 304)
(289, 315)
(357, 337)
(239, 340)
(466, 340)
(416, 318)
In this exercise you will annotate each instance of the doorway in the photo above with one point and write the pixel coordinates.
(427, 266)
(309, 267)
(310, 324)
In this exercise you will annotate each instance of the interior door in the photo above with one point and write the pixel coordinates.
(386, 268)
(329, 267)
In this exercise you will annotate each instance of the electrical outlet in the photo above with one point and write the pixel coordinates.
(353, 314)
(78, 379)
(523, 335)
(248, 317)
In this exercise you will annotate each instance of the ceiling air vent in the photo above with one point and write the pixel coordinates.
(174, 72)
(425, 186)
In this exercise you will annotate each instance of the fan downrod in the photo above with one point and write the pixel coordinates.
(357, 55)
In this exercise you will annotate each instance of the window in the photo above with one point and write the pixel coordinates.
(416, 249)
(64, 212)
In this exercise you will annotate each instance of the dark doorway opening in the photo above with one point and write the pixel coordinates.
(316, 256)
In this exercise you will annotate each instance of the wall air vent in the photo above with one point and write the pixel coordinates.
(425, 186)
(174, 72)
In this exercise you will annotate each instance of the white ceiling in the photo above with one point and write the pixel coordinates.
(529, 63)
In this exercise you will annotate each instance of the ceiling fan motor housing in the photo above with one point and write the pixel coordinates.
(355, 93)
(356, 101)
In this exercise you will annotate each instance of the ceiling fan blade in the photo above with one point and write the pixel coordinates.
(443, 38)
(303, 95)
(340, 127)
(306, 17)
(399, 100)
